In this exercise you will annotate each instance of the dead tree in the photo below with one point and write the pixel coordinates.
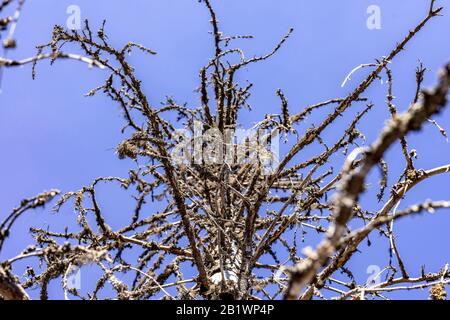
(223, 213)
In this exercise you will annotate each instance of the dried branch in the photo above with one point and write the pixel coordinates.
(352, 186)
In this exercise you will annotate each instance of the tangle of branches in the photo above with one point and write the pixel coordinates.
(226, 219)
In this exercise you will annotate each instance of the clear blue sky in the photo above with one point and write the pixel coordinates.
(53, 137)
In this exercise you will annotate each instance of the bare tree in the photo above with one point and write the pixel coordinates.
(223, 214)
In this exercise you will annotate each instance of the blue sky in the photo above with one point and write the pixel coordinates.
(53, 137)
